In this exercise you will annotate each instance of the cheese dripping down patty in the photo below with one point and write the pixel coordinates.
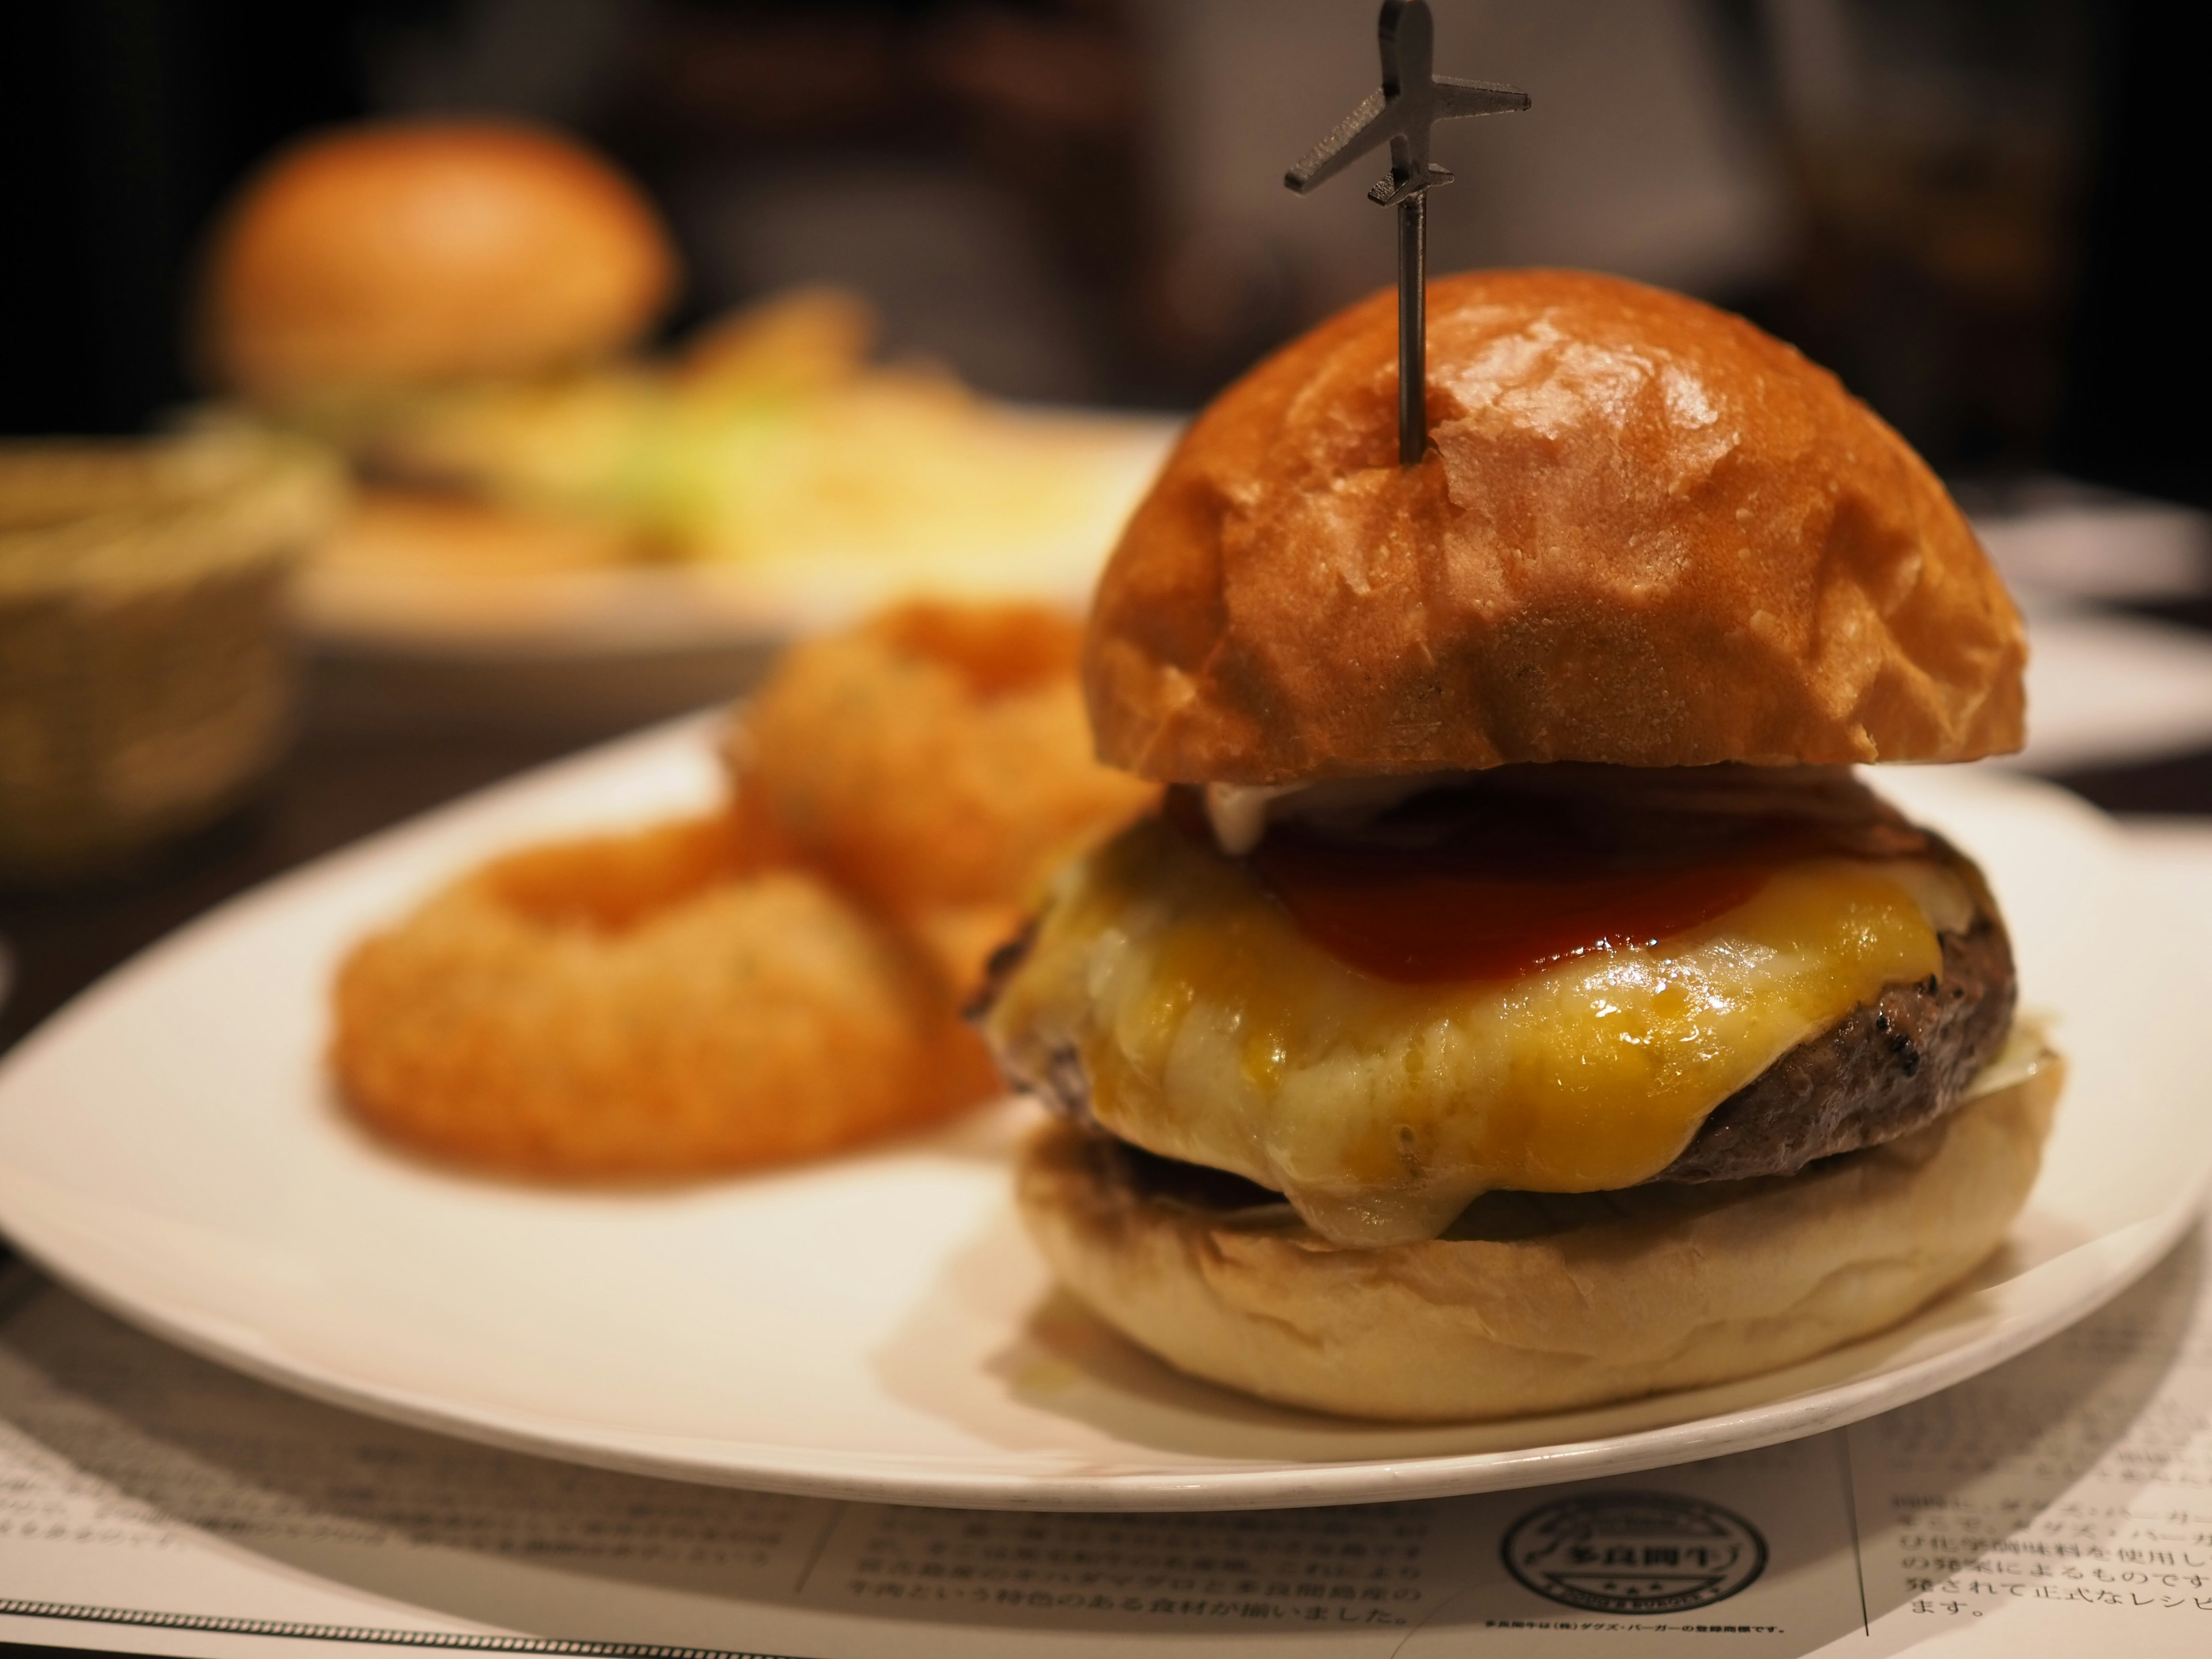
(1212, 1028)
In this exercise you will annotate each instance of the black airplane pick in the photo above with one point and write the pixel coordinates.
(1410, 102)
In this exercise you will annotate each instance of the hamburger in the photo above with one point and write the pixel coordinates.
(431, 297)
(372, 262)
(464, 309)
(1519, 1002)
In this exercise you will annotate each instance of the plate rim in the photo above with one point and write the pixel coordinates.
(1321, 1484)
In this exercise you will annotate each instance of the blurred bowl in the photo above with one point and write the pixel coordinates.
(146, 674)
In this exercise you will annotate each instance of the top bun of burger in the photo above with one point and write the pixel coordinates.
(405, 253)
(1644, 533)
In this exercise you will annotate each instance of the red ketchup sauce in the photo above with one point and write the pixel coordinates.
(1497, 883)
(1426, 926)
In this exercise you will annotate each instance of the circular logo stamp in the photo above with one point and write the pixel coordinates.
(1634, 1551)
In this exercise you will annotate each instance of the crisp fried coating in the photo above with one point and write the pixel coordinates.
(771, 983)
(937, 762)
(651, 1005)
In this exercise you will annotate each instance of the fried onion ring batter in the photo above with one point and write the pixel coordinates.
(656, 1004)
(936, 761)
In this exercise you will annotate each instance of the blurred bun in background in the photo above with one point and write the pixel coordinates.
(552, 511)
(410, 253)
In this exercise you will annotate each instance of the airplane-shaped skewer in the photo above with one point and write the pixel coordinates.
(1411, 102)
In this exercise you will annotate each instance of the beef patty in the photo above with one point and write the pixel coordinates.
(1883, 1070)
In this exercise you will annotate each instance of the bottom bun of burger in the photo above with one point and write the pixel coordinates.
(1536, 1302)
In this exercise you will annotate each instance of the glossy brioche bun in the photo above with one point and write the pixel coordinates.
(408, 252)
(1645, 532)
(1693, 1285)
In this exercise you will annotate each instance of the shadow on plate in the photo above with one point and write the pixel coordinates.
(1063, 1368)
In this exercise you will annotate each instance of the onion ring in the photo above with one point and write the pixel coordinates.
(937, 762)
(653, 1004)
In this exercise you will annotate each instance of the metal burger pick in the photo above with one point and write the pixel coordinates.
(1411, 100)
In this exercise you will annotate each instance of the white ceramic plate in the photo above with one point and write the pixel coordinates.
(876, 1326)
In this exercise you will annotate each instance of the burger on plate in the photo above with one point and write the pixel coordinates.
(463, 309)
(449, 304)
(1519, 1003)
(372, 262)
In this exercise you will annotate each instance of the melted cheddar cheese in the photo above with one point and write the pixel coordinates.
(1211, 1029)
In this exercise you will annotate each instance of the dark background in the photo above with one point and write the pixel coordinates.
(1981, 227)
